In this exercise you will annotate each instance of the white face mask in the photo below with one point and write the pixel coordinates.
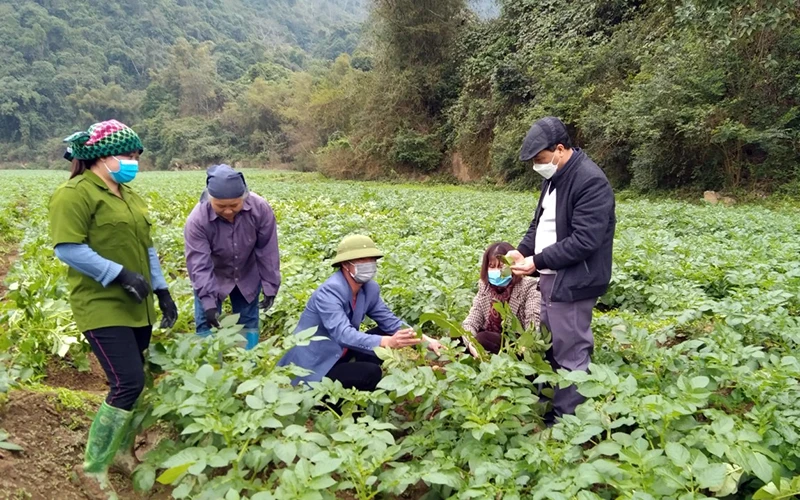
(364, 272)
(546, 170)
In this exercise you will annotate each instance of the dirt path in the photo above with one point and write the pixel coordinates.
(62, 374)
(52, 430)
(6, 261)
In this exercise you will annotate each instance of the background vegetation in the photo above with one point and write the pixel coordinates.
(661, 93)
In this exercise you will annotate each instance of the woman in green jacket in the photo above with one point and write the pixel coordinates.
(100, 228)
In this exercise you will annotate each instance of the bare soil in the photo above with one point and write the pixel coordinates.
(61, 373)
(7, 259)
(53, 439)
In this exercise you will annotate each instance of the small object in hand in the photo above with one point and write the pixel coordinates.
(267, 302)
(134, 284)
(169, 311)
(505, 260)
(212, 317)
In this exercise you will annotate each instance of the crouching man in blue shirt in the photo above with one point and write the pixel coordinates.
(337, 308)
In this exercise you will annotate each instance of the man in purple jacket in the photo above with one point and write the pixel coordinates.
(231, 244)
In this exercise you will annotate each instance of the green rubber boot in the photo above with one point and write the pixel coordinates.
(125, 461)
(105, 436)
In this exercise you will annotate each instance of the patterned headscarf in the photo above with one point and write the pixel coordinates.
(108, 138)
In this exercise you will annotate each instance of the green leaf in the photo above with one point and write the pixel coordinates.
(247, 386)
(285, 409)
(586, 434)
(191, 384)
(722, 425)
(760, 466)
(787, 490)
(286, 452)
(223, 458)
(229, 321)
(699, 382)
(717, 449)
(263, 495)
(592, 389)
(192, 428)
(322, 482)
(182, 491)
(169, 476)
(712, 476)
(254, 402)
(197, 468)
(271, 423)
(326, 466)
(144, 477)
(678, 454)
(7, 445)
(204, 372)
(185, 456)
(444, 478)
(270, 392)
(608, 448)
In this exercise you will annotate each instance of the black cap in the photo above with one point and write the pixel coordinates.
(544, 133)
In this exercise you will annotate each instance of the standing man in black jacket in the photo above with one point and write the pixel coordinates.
(569, 244)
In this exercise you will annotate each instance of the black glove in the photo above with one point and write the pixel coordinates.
(169, 311)
(212, 317)
(134, 284)
(265, 304)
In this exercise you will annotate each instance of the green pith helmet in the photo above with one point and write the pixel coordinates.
(355, 246)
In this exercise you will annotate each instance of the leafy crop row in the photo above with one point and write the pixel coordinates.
(693, 392)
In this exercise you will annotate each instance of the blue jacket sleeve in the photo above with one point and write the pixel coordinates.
(85, 260)
(157, 280)
(382, 315)
(333, 318)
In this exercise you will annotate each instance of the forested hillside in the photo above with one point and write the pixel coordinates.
(661, 93)
(66, 63)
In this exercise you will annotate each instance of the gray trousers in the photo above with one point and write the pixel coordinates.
(571, 326)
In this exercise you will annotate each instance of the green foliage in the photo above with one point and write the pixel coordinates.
(5, 444)
(661, 94)
(415, 149)
(67, 64)
(693, 391)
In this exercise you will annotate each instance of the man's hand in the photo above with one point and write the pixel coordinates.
(400, 339)
(515, 256)
(212, 317)
(265, 304)
(524, 268)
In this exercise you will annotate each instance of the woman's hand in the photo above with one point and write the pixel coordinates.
(433, 344)
(169, 311)
(401, 338)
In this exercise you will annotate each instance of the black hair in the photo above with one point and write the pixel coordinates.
(80, 166)
(490, 256)
(567, 143)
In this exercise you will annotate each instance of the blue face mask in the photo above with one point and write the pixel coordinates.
(496, 280)
(127, 170)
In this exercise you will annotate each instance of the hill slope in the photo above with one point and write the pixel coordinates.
(63, 61)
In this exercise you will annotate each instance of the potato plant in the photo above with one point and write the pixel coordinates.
(693, 390)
